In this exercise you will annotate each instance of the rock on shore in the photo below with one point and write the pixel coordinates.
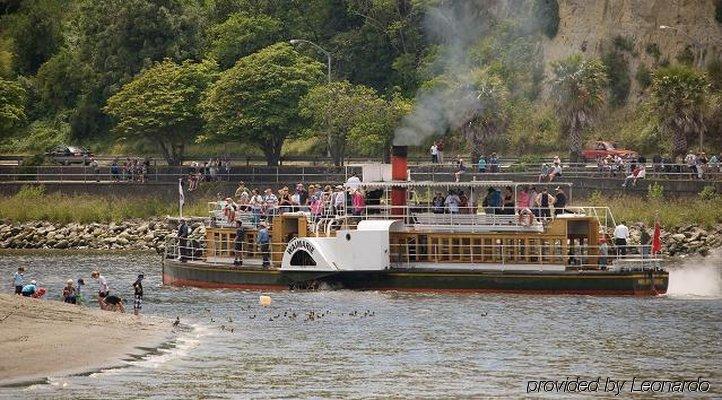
(127, 235)
(153, 235)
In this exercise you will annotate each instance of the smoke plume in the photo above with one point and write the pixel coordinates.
(440, 108)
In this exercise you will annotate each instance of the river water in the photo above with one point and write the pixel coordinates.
(393, 345)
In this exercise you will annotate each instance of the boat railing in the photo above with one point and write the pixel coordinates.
(545, 255)
(219, 251)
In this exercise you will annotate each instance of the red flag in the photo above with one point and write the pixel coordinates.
(656, 239)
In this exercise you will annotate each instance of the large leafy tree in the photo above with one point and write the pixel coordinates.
(240, 35)
(578, 88)
(336, 109)
(12, 106)
(257, 99)
(161, 106)
(374, 135)
(36, 32)
(678, 100)
(117, 39)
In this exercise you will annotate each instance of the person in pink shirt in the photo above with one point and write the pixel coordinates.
(522, 198)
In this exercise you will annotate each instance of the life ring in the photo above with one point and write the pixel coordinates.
(526, 217)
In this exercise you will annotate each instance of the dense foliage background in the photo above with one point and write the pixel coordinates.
(180, 77)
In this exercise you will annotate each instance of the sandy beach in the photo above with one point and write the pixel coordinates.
(40, 338)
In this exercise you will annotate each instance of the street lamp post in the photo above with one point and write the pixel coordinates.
(699, 63)
(319, 48)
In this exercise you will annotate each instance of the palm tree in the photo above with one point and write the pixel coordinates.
(678, 100)
(484, 109)
(578, 90)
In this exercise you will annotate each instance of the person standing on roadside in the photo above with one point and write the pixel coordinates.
(18, 280)
(138, 295)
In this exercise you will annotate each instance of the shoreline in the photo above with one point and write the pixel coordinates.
(41, 339)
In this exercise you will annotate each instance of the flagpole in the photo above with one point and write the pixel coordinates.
(181, 197)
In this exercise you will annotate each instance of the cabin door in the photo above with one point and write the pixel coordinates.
(578, 243)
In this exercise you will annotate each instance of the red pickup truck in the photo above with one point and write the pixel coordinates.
(602, 149)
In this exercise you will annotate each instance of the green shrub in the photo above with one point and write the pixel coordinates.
(643, 76)
(686, 56)
(718, 11)
(653, 50)
(709, 192)
(714, 73)
(618, 73)
(547, 13)
(655, 192)
(623, 43)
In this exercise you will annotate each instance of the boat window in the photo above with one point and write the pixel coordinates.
(302, 258)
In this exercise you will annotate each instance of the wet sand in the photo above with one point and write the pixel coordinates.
(40, 338)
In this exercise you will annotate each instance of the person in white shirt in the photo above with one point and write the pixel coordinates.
(353, 183)
(621, 236)
(434, 154)
(452, 203)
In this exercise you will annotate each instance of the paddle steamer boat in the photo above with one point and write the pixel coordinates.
(399, 241)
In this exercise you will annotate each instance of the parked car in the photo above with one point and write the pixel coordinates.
(67, 155)
(602, 149)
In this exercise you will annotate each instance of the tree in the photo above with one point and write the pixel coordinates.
(62, 80)
(578, 90)
(257, 99)
(160, 105)
(12, 106)
(374, 135)
(116, 39)
(240, 35)
(487, 110)
(678, 100)
(338, 108)
(36, 32)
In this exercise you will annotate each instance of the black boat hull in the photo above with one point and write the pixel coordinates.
(639, 283)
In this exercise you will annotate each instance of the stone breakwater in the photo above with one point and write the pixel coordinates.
(153, 234)
(137, 235)
(682, 240)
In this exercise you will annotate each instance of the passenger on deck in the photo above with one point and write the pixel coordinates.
(452, 202)
(508, 202)
(493, 163)
(256, 205)
(285, 204)
(560, 201)
(437, 204)
(358, 203)
(544, 202)
(463, 203)
(481, 166)
(338, 199)
(302, 197)
(270, 203)
(494, 201)
(460, 169)
(621, 236)
(238, 243)
(264, 242)
(522, 198)
(603, 253)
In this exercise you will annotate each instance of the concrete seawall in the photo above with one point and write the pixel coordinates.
(169, 190)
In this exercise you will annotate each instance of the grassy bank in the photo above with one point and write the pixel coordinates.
(31, 203)
(672, 212)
